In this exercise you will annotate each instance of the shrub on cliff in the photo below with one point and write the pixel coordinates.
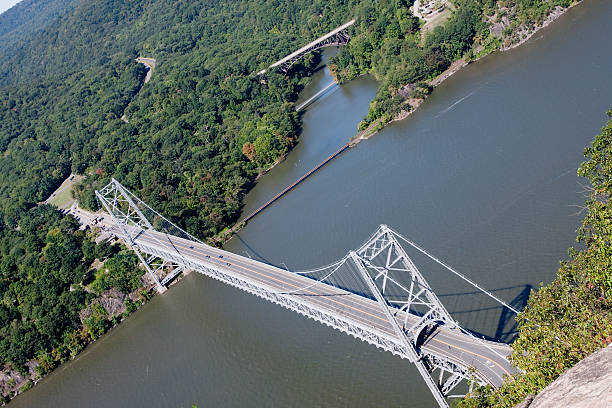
(571, 317)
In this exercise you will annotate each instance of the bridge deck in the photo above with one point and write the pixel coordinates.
(308, 46)
(356, 309)
(313, 43)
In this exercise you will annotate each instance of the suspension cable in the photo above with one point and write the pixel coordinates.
(191, 237)
(465, 278)
(339, 264)
(322, 268)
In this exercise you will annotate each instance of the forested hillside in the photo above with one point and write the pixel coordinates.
(191, 141)
(200, 132)
(188, 128)
(28, 17)
(47, 313)
(49, 128)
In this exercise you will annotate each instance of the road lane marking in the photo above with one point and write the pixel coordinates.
(339, 303)
(318, 295)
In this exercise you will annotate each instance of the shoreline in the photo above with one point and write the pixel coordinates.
(557, 12)
(23, 382)
(414, 103)
(13, 382)
(455, 67)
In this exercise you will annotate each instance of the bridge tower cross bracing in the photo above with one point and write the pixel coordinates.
(382, 259)
(380, 268)
(128, 216)
(414, 356)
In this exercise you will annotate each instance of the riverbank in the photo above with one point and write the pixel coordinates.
(525, 33)
(116, 305)
(411, 105)
(570, 318)
(522, 33)
(415, 103)
(103, 310)
(12, 382)
(437, 181)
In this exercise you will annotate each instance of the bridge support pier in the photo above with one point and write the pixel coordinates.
(160, 288)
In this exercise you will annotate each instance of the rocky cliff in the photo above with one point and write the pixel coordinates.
(588, 384)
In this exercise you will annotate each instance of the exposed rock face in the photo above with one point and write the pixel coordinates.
(526, 402)
(111, 300)
(588, 384)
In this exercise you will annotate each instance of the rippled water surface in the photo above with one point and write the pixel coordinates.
(483, 175)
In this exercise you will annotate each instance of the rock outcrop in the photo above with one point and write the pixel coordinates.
(586, 385)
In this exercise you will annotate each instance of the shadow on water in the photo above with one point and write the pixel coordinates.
(252, 252)
(503, 332)
(317, 69)
(506, 328)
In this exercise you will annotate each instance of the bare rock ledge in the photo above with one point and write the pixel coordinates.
(586, 385)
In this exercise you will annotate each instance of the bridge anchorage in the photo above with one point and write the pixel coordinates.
(375, 293)
(337, 37)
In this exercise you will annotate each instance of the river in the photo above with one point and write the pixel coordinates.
(482, 175)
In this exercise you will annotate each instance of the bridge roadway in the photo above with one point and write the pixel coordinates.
(308, 46)
(447, 343)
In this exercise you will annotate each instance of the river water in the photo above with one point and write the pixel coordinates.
(483, 175)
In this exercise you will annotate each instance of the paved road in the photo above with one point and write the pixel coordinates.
(150, 64)
(489, 361)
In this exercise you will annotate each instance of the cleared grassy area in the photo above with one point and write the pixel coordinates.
(62, 197)
(438, 19)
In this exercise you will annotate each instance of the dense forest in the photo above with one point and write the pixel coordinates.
(38, 15)
(571, 317)
(388, 45)
(392, 44)
(192, 141)
(48, 288)
(198, 133)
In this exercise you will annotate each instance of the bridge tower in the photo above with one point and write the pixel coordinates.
(131, 215)
(379, 272)
(384, 267)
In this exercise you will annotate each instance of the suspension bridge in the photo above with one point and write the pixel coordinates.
(375, 293)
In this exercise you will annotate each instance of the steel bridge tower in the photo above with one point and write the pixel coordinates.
(382, 274)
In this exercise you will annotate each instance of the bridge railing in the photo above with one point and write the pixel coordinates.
(338, 36)
(379, 272)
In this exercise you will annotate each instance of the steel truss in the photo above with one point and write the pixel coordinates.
(128, 216)
(338, 39)
(391, 276)
(382, 259)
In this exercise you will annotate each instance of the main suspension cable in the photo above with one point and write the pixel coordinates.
(465, 278)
